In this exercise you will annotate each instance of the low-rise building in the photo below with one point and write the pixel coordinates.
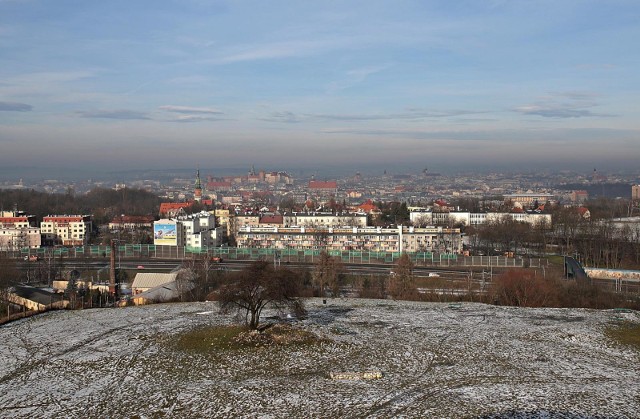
(144, 281)
(149, 288)
(171, 209)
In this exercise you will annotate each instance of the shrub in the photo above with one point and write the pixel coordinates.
(522, 288)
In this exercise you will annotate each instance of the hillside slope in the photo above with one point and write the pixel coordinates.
(436, 361)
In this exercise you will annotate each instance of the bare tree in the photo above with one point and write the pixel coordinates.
(328, 273)
(540, 235)
(423, 221)
(260, 285)
(320, 238)
(205, 275)
(402, 284)
(8, 277)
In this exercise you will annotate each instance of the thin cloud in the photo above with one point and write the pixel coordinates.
(555, 112)
(189, 110)
(47, 77)
(504, 135)
(15, 107)
(356, 76)
(576, 95)
(195, 118)
(562, 105)
(277, 50)
(418, 135)
(285, 117)
(113, 114)
(411, 115)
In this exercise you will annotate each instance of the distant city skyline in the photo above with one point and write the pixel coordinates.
(317, 86)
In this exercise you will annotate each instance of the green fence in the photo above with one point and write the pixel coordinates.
(134, 251)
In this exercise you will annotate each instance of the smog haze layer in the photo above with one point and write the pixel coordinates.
(360, 85)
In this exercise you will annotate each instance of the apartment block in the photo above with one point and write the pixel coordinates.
(422, 218)
(67, 230)
(375, 239)
(195, 231)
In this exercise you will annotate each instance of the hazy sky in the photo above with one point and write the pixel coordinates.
(155, 84)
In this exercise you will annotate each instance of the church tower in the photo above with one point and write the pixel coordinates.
(197, 194)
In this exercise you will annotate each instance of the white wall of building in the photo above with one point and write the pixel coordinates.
(476, 218)
(68, 230)
(195, 230)
(375, 239)
(18, 238)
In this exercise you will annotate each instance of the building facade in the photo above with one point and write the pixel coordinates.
(422, 218)
(19, 238)
(18, 230)
(529, 198)
(67, 230)
(635, 192)
(131, 222)
(195, 231)
(326, 219)
(374, 239)
(322, 189)
(316, 219)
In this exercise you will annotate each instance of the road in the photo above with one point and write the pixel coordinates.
(167, 265)
(476, 275)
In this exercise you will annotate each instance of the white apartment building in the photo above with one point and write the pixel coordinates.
(67, 230)
(195, 230)
(325, 219)
(315, 219)
(18, 230)
(18, 238)
(375, 239)
(476, 218)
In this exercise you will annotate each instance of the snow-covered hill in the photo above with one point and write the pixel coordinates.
(436, 361)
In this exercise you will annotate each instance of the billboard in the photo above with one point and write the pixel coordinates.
(165, 234)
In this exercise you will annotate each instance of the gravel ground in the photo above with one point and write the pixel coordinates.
(478, 361)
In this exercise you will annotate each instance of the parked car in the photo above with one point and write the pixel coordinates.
(216, 259)
(434, 275)
(140, 267)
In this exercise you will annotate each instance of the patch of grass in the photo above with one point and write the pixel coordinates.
(224, 338)
(556, 259)
(626, 333)
(210, 338)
